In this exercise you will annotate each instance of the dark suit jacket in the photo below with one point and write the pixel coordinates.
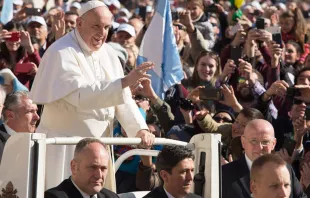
(67, 190)
(3, 138)
(236, 181)
(159, 192)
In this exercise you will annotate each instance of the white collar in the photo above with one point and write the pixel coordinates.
(44, 46)
(9, 130)
(84, 195)
(82, 43)
(168, 194)
(248, 162)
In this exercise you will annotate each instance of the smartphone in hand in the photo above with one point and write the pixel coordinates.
(15, 36)
(260, 23)
(210, 94)
(236, 54)
(33, 11)
(289, 144)
(23, 68)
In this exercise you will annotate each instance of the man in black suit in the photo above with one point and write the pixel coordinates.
(19, 115)
(89, 169)
(270, 177)
(175, 166)
(258, 139)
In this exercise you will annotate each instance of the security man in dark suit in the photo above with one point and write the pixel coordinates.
(258, 139)
(175, 165)
(89, 169)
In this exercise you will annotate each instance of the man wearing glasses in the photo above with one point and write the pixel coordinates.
(258, 139)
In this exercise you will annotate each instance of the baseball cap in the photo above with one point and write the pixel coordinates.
(76, 5)
(37, 19)
(116, 3)
(122, 19)
(149, 8)
(127, 28)
(126, 12)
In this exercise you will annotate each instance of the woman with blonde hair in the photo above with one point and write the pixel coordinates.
(133, 52)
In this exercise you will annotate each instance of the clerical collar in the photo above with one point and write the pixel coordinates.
(81, 42)
(84, 195)
(248, 162)
(9, 130)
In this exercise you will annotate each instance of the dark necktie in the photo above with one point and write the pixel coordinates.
(92, 196)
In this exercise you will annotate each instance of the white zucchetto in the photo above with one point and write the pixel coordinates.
(89, 6)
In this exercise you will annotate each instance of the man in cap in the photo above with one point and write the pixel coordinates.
(82, 86)
(37, 28)
(125, 34)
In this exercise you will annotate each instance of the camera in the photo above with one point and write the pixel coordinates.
(186, 104)
(292, 92)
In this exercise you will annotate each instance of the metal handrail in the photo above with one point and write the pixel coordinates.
(116, 141)
(132, 152)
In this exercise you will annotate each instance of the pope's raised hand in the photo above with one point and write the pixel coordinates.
(137, 74)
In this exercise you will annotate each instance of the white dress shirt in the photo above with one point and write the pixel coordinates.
(168, 194)
(84, 195)
(9, 130)
(248, 162)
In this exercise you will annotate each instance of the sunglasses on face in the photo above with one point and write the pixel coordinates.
(219, 119)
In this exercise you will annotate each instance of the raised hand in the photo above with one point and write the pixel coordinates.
(186, 20)
(4, 35)
(276, 53)
(228, 70)
(230, 99)
(245, 69)
(25, 41)
(58, 24)
(194, 94)
(34, 70)
(137, 74)
(278, 88)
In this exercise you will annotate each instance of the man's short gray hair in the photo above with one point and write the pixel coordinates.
(13, 101)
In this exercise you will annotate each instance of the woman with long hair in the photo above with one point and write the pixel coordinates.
(207, 70)
(293, 26)
(19, 51)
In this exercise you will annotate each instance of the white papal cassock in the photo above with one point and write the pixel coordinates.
(81, 92)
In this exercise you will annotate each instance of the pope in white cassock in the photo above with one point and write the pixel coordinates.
(81, 83)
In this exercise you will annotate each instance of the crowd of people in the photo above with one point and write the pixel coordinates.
(246, 77)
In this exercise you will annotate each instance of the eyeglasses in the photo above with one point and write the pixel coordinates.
(218, 119)
(255, 142)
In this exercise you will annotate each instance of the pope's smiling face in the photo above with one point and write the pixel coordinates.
(94, 26)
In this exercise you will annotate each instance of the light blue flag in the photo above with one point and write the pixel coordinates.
(7, 11)
(159, 46)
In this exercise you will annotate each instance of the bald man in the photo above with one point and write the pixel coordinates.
(89, 169)
(258, 139)
(270, 177)
(82, 86)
